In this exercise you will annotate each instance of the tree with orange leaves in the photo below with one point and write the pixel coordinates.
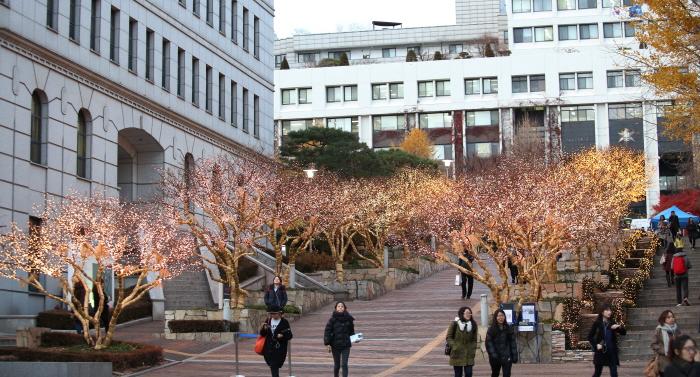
(88, 237)
(417, 143)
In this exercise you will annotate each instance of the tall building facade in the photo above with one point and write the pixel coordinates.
(100, 94)
(510, 69)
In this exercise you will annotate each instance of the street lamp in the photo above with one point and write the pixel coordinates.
(310, 171)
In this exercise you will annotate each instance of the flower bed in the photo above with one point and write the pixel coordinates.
(201, 325)
(63, 347)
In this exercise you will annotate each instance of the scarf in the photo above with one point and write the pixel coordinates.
(462, 325)
(665, 331)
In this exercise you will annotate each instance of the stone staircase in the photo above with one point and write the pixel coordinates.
(189, 290)
(654, 298)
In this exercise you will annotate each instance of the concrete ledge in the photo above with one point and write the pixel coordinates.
(54, 369)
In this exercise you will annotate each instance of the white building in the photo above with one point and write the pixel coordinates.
(557, 64)
(97, 94)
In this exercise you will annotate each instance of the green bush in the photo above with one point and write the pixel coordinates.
(291, 309)
(488, 51)
(343, 59)
(202, 325)
(284, 64)
(411, 56)
(438, 56)
(328, 62)
(56, 320)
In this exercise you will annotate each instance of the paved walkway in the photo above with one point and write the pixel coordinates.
(404, 336)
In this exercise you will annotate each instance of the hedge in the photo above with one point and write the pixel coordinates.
(290, 309)
(56, 320)
(201, 325)
(124, 355)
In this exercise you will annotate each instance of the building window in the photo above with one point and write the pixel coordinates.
(542, 5)
(615, 79)
(114, 35)
(256, 37)
(490, 85)
(150, 54)
(388, 52)
(245, 110)
(521, 6)
(629, 29)
(333, 94)
(537, 83)
(577, 113)
(38, 128)
(183, 3)
(335, 55)
(222, 97)
(588, 31)
(482, 150)
(83, 147)
(246, 26)
(222, 17)
(256, 116)
(442, 88)
(350, 93)
(306, 57)
(624, 111)
(234, 21)
(567, 32)
(612, 30)
(617, 3)
(482, 118)
(396, 90)
(587, 4)
(304, 96)
(181, 73)
(519, 84)
(95, 22)
(278, 60)
(195, 7)
(195, 81)
(351, 124)
(633, 78)
(388, 122)
(289, 96)
(435, 120)
(567, 81)
(566, 4)
(379, 91)
(74, 21)
(210, 12)
(544, 34)
(295, 125)
(234, 104)
(472, 86)
(455, 48)
(52, 14)
(165, 65)
(415, 49)
(208, 91)
(585, 80)
(133, 44)
(522, 35)
(426, 89)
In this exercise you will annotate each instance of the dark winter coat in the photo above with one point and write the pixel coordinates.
(674, 223)
(500, 343)
(276, 299)
(276, 348)
(462, 343)
(608, 355)
(338, 330)
(670, 250)
(681, 368)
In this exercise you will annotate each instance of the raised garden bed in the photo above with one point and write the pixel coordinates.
(201, 325)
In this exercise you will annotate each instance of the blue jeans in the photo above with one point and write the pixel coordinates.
(465, 371)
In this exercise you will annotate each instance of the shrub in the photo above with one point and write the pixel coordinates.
(312, 262)
(202, 325)
(343, 59)
(488, 51)
(437, 55)
(328, 62)
(291, 309)
(142, 308)
(284, 64)
(56, 320)
(411, 56)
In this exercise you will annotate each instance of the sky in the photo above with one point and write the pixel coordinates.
(328, 16)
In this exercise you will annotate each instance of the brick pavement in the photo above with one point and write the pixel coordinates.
(396, 326)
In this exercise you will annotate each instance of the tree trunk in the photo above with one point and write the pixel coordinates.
(339, 272)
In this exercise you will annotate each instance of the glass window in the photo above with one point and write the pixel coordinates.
(426, 89)
(234, 21)
(633, 78)
(74, 20)
(472, 86)
(567, 81)
(521, 6)
(617, 3)
(346, 124)
(482, 150)
(133, 44)
(295, 125)
(435, 120)
(587, 4)
(38, 129)
(490, 85)
(624, 111)
(566, 4)
(388, 52)
(222, 17)
(577, 113)
(482, 118)
(612, 30)
(522, 35)
(278, 60)
(114, 35)
(245, 110)
(165, 65)
(336, 54)
(246, 27)
(585, 80)
(150, 54)
(537, 83)
(388, 122)
(544, 34)
(588, 31)
(379, 91)
(289, 96)
(350, 93)
(52, 14)
(615, 79)
(195, 81)
(455, 48)
(234, 103)
(415, 49)
(567, 32)
(208, 90)
(304, 95)
(519, 84)
(442, 88)
(396, 90)
(256, 116)
(181, 73)
(256, 37)
(306, 57)
(629, 29)
(95, 25)
(542, 5)
(333, 94)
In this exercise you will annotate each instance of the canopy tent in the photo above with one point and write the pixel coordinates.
(682, 217)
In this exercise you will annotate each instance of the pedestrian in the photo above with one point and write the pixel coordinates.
(462, 335)
(683, 358)
(603, 339)
(501, 345)
(276, 294)
(674, 224)
(667, 257)
(513, 268)
(78, 300)
(336, 337)
(680, 264)
(466, 280)
(105, 315)
(692, 229)
(277, 335)
(666, 331)
(664, 232)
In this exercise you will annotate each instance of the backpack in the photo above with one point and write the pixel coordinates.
(679, 267)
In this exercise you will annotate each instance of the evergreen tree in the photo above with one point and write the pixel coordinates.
(437, 55)
(488, 51)
(411, 56)
(284, 64)
(344, 59)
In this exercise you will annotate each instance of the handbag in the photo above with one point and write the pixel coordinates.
(663, 259)
(260, 345)
(652, 369)
(458, 279)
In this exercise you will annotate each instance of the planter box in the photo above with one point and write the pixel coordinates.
(54, 369)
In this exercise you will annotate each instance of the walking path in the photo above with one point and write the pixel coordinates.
(404, 336)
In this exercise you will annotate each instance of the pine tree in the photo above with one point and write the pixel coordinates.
(411, 56)
(344, 59)
(488, 51)
(417, 144)
(284, 64)
(437, 55)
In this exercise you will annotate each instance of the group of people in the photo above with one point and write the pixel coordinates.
(674, 352)
(675, 260)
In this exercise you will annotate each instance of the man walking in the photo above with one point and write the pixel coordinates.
(674, 224)
(680, 265)
(466, 279)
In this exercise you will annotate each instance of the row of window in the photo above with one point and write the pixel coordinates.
(387, 52)
(132, 63)
(523, 6)
(572, 32)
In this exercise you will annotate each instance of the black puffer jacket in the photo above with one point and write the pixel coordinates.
(338, 330)
(682, 368)
(500, 343)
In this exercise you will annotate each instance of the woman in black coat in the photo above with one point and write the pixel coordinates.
(683, 364)
(501, 345)
(276, 294)
(277, 335)
(337, 337)
(603, 339)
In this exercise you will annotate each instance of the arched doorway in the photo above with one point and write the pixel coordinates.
(140, 156)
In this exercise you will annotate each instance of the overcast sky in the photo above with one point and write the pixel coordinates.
(325, 16)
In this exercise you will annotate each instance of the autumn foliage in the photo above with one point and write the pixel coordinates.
(688, 201)
(417, 143)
